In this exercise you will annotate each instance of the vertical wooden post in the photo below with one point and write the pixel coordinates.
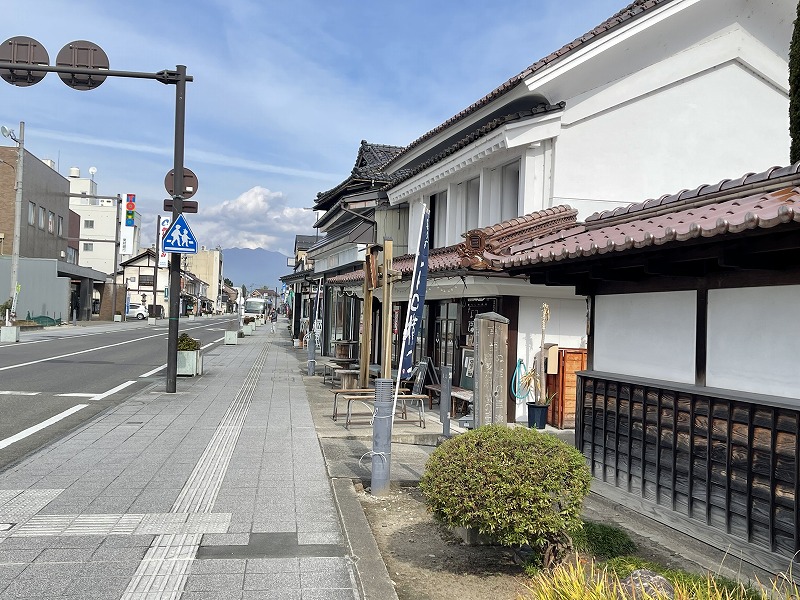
(386, 313)
(366, 320)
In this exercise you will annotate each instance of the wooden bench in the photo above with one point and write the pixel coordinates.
(460, 398)
(402, 399)
(367, 392)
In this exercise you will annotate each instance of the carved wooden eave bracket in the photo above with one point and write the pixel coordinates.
(483, 247)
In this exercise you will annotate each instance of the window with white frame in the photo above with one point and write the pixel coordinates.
(42, 214)
(472, 189)
(31, 213)
(439, 217)
(88, 247)
(509, 192)
(88, 223)
(51, 222)
(60, 226)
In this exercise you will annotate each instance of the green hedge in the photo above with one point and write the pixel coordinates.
(516, 485)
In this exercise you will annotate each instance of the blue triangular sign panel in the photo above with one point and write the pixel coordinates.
(179, 238)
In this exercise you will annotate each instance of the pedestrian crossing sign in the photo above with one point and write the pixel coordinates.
(179, 238)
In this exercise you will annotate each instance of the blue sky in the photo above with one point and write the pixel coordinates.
(283, 92)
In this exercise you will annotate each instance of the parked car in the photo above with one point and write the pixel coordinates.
(137, 310)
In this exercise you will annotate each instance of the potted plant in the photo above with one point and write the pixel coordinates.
(534, 381)
(190, 358)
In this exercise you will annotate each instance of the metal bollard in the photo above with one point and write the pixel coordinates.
(312, 363)
(382, 438)
(445, 401)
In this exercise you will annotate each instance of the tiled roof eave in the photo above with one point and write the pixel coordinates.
(731, 217)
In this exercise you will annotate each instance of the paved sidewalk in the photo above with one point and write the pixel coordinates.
(217, 491)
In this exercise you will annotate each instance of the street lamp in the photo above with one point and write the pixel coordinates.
(9, 133)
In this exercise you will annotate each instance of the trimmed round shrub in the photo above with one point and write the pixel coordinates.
(187, 342)
(516, 485)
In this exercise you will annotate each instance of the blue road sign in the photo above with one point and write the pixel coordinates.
(179, 238)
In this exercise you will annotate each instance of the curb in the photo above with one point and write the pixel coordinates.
(373, 578)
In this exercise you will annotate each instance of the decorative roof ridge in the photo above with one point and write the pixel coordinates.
(405, 174)
(771, 179)
(633, 10)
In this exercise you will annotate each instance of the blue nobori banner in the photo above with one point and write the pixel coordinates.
(416, 298)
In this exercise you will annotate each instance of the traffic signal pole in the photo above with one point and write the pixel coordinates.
(177, 208)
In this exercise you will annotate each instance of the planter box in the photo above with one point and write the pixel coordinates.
(191, 317)
(151, 320)
(9, 334)
(117, 318)
(247, 329)
(190, 362)
(231, 338)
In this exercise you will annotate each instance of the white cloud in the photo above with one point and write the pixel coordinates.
(258, 218)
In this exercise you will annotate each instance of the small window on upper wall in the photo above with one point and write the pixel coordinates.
(51, 222)
(88, 247)
(31, 213)
(42, 214)
(88, 224)
(509, 197)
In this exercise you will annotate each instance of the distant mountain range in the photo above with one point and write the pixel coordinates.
(254, 267)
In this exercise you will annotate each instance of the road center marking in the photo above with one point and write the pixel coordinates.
(31, 430)
(13, 393)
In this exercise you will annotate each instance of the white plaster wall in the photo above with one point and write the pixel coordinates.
(721, 124)
(753, 340)
(647, 335)
(566, 327)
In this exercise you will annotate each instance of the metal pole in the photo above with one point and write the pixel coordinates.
(17, 222)
(386, 310)
(116, 261)
(382, 438)
(177, 208)
(155, 267)
(445, 399)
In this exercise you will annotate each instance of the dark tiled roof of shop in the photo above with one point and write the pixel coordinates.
(369, 162)
(727, 217)
(709, 192)
(632, 11)
(405, 174)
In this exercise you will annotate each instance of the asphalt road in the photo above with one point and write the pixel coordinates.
(57, 379)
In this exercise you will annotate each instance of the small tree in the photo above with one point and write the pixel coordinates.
(516, 485)
(794, 91)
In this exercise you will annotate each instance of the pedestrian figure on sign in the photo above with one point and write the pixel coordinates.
(185, 237)
(175, 237)
(273, 319)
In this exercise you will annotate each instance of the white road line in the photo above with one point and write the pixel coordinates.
(211, 343)
(31, 430)
(77, 395)
(121, 386)
(13, 393)
(156, 370)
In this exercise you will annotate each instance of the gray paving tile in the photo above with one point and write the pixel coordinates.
(106, 553)
(272, 595)
(272, 581)
(213, 565)
(328, 579)
(211, 582)
(273, 565)
(64, 555)
(225, 539)
(329, 594)
(8, 557)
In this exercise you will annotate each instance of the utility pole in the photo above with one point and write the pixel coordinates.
(17, 217)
